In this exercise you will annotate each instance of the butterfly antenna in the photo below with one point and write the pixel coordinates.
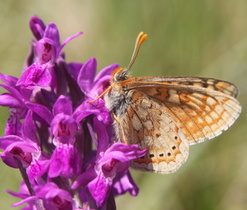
(139, 40)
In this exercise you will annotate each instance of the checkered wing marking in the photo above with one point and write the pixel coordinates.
(147, 124)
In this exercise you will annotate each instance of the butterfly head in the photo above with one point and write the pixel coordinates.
(119, 74)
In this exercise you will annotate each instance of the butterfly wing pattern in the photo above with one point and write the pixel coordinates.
(167, 114)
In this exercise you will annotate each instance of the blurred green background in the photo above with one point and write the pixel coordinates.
(193, 37)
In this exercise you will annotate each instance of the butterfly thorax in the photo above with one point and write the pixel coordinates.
(117, 100)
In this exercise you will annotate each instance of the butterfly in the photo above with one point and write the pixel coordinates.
(168, 114)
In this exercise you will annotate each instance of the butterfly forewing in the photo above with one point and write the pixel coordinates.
(202, 107)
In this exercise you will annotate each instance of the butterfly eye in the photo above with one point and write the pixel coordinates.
(120, 75)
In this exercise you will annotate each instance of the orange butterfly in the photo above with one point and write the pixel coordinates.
(167, 114)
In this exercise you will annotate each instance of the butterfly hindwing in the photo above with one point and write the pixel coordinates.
(148, 125)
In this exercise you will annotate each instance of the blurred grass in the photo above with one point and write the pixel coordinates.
(193, 37)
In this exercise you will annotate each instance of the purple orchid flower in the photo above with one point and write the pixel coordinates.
(115, 161)
(47, 50)
(15, 100)
(23, 194)
(92, 87)
(50, 196)
(109, 164)
(62, 143)
(23, 148)
(65, 160)
(17, 148)
(63, 125)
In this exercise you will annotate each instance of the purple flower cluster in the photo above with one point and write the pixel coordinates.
(63, 145)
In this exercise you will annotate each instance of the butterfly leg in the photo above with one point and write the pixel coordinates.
(121, 126)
